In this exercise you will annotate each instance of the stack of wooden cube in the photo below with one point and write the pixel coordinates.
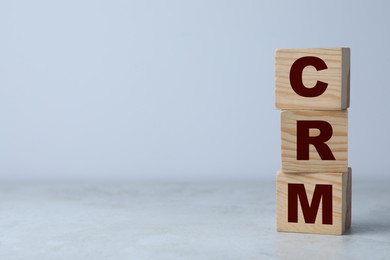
(314, 184)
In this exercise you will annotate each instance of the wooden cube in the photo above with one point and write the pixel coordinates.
(297, 71)
(314, 141)
(314, 202)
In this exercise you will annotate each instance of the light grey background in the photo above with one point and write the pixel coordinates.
(174, 90)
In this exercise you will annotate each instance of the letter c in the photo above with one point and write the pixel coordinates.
(296, 76)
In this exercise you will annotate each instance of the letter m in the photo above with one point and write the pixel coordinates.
(297, 191)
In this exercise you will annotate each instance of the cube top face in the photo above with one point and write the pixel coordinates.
(312, 79)
(315, 157)
(331, 213)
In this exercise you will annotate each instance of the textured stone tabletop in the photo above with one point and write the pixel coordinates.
(176, 221)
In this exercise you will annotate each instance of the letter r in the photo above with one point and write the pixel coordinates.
(304, 139)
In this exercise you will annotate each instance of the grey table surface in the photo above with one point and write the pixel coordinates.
(176, 221)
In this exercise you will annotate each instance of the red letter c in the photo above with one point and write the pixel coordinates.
(296, 76)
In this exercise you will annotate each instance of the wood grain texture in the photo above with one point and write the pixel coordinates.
(338, 143)
(336, 96)
(341, 199)
(349, 200)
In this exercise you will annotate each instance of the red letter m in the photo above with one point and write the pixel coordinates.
(323, 191)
